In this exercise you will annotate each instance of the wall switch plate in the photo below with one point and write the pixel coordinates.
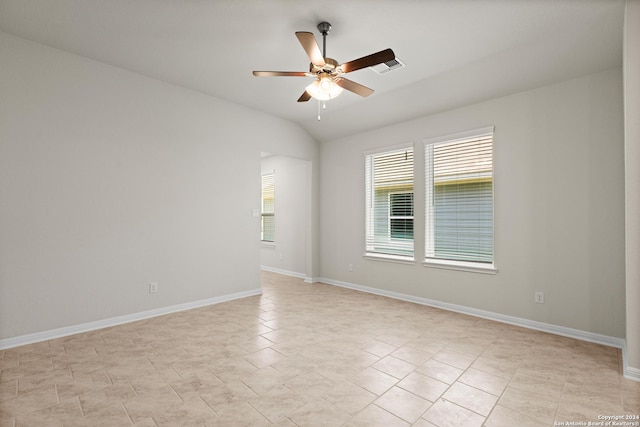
(153, 287)
(350, 267)
(539, 297)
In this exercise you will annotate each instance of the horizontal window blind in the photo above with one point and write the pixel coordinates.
(268, 227)
(459, 199)
(389, 201)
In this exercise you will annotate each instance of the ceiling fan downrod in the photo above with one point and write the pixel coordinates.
(324, 28)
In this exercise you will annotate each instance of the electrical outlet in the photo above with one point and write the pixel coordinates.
(539, 297)
(153, 287)
(350, 267)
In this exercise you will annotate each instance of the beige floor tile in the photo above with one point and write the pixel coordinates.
(29, 402)
(239, 414)
(427, 344)
(25, 370)
(505, 417)
(531, 404)
(440, 371)
(379, 348)
(483, 381)
(349, 397)
(190, 412)
(156, 379)
(423, 423)
(83, 383)
(412, 355)
(549, 386)
(471, 398)
(395, 367)
(544, 367)
(231, 368)
(403, 404)
(108, 420)
(65, 412)
(631, 396)
(264, 380)
(8, 390)
(375, 381)
(151, 404)
(424, 386)
(319, 413)
(231, 393)
(453, 358)
(375, 416)
(448, 414)
(505, 368)
(264, 357)
(193, 385)
(112, 395)
(303, 354)
(278, 403)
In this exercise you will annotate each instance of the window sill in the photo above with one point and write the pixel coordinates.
(268, 244)
(389, 258)
(473, 267)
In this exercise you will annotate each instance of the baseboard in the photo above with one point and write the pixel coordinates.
(512, 320)
(628, 371)
(284, 272)
(119, 320)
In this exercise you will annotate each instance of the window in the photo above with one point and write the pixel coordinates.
(268, 226)
(459, 199)
(401, 216)
(389, 199)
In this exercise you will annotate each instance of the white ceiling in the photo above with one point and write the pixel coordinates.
(456, 51)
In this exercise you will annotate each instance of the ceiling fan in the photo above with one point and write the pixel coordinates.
(329, 82)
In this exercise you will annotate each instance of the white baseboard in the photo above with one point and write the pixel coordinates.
(119, 320)
(629, 372)
(284, 272)
(512, 320)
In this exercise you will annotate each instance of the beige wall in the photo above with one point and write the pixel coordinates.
(632, 182)
(110, 180)
(559, 207)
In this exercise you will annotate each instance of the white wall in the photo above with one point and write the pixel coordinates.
(292, 187)
(559, 207)
(110, 180)
(632, 182)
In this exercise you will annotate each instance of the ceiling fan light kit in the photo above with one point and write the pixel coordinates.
(324, 89)
(329, 83)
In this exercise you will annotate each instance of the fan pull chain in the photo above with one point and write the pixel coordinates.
(324, 107)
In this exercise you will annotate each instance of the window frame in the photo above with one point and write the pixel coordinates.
(429, 233)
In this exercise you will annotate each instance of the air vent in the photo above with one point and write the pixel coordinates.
(388, 66)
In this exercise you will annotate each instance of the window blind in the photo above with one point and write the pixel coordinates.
(268, 226)
(389, 202)
(459, 199)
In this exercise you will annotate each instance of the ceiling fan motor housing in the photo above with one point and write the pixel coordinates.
(329, 66)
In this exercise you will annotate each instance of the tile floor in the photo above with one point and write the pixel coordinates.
(312, 355)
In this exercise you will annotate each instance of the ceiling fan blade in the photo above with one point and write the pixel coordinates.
(280, 73)
(369, 60)
(304, 97)
(309, 44)
(354, 87)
